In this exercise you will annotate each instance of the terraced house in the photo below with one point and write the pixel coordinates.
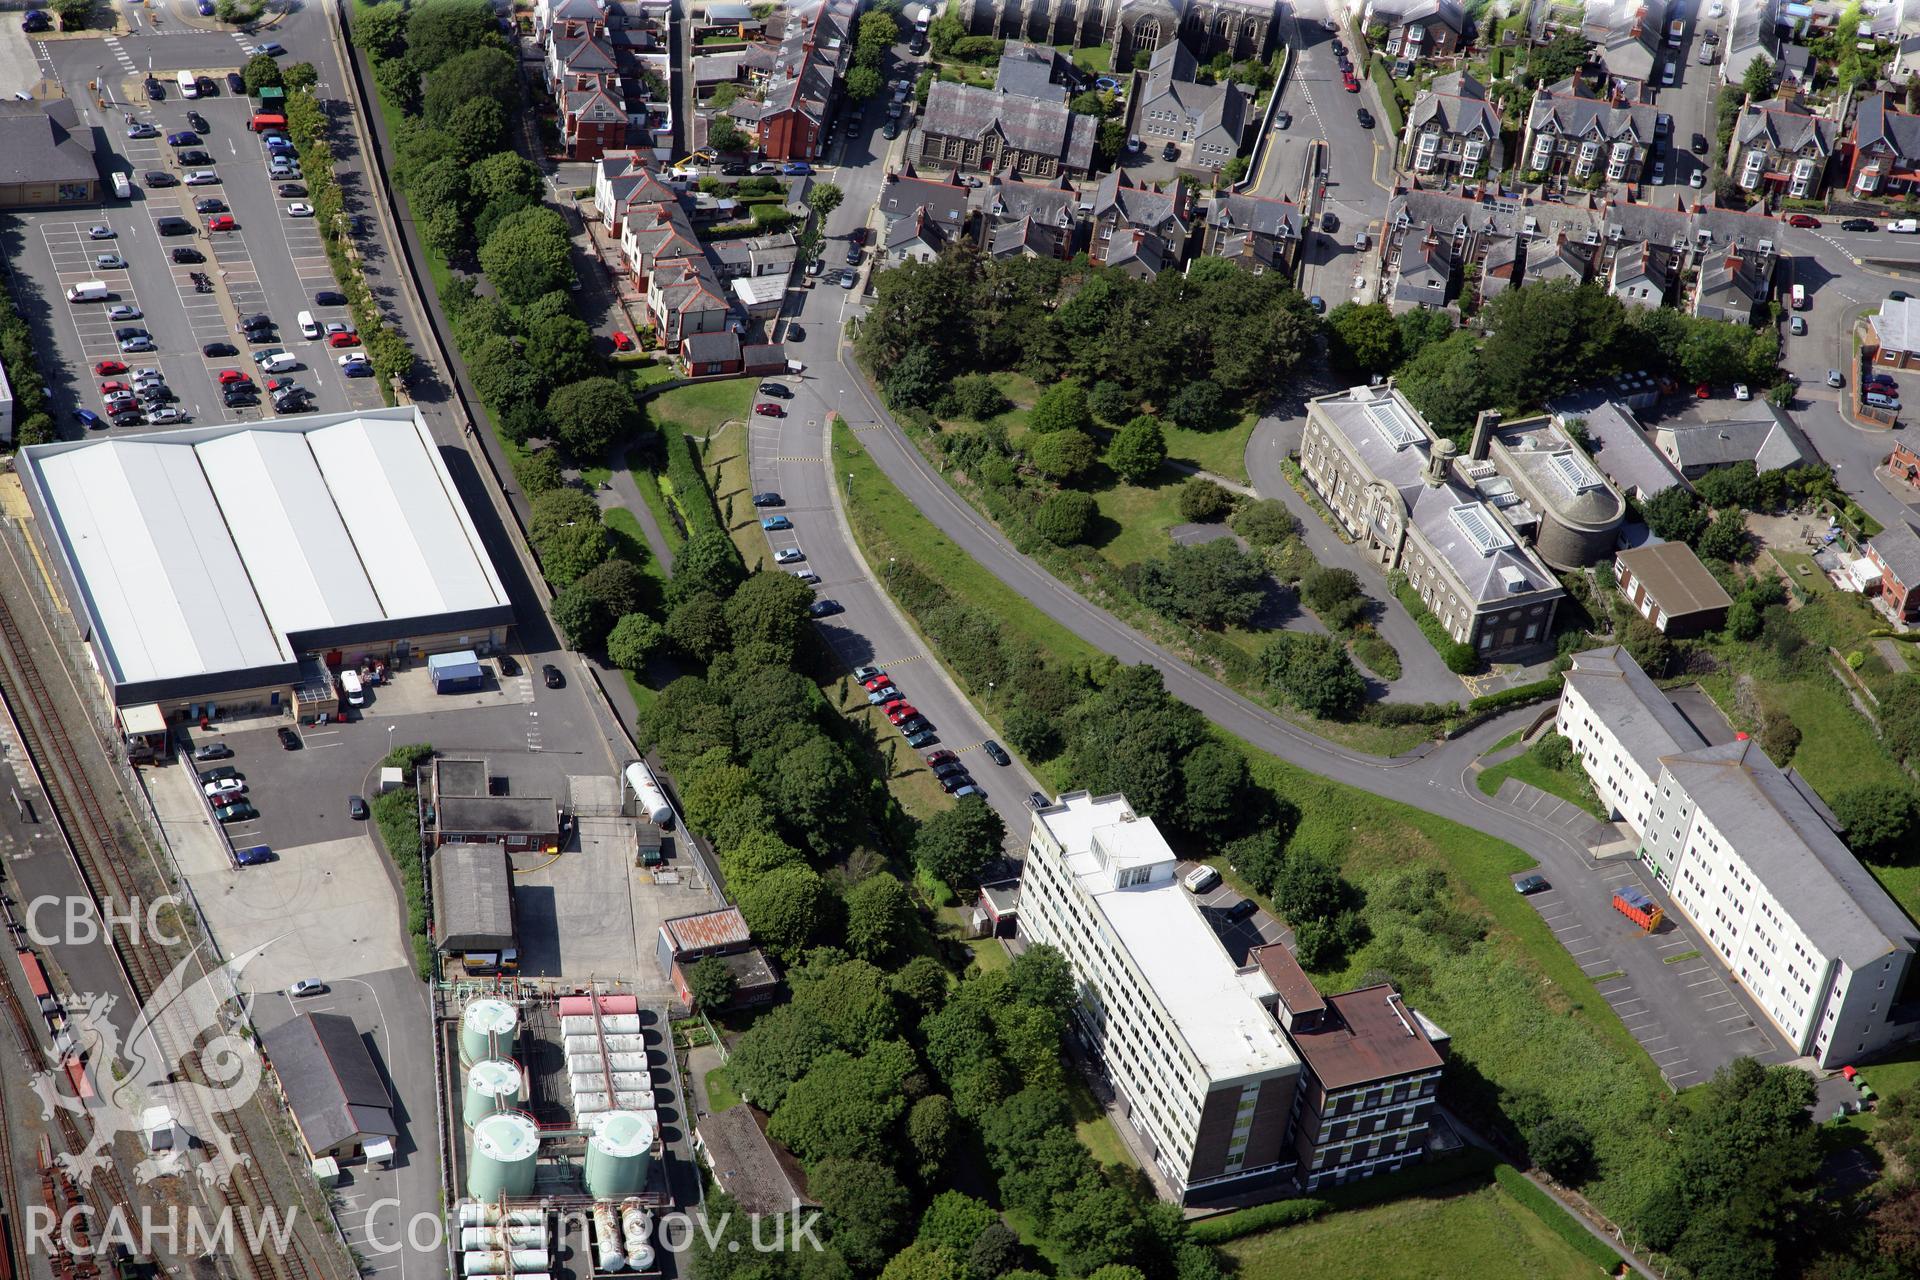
(1416, 29)
(1392, 484)
(1575, 132)
(1782, 149)
(1452, 132)
(1886, 148)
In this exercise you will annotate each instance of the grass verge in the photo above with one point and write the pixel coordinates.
(701, 409)
(1569, 784)
(720, 1091)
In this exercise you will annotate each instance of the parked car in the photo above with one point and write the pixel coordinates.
(902, 711)
(165, 415)
(1859, 224)
(306, 987)
(137, 345)
(225, 787)
(235, 84)
(218, 350)
(195, 157)
(197, 120)
(881, 696)
(213, 751)
(209, 204)
(767, 499)
(221, 222)
(299, 209)
(286, 190)
(767, 409)
(89, 419)
(187, 257)
(109, 261)
(776, 389)
(550, 674)
(1797, 326)
(995, 752)
(343, 340)
(922, 738)
(796, 169)
(948, 770)
(124, 311)
(1530, 884)
(772, 523)
(954, 783)
(789, 555)
(1835, 378)
(238, 811)
(823, 608)
(1805, 220)
(356, 808)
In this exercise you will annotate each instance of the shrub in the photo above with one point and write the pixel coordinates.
(1315, 673)
(1202, 499)
(1264, 523)
(1263, 1217)
(1063, 517)
(975, 396)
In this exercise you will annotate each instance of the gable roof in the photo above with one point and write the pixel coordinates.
(1031, 71)
(330, 1080)
(1032, 125)
(1790, 129)
(45, 142)
(945, 200)
(1007, 198)
(1570, 109)
(1877, 126)
(1138, 205)
(1770, 442)
(1455, 104)
(1898, 546)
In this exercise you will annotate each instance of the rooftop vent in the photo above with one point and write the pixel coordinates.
(1514, 580)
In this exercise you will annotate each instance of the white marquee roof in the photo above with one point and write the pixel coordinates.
(202, 551)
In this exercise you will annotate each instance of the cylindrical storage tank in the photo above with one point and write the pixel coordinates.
(483, 1262)
(473, 1214)
(492, 1085)
(614, 1024)
(649, 801)
(606, 1236)
(485, 1021)
(501, 1156)
(636, 1229)
(529, 1261)
(527, 1236)
(619, 1153)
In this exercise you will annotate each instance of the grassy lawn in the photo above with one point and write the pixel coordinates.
(1222, 452)
(908, 777)
(1485, 1233)
(1093, 1128)
(729, 475)
(1803, 569)
(1569, 784)
(720, 1091)
(649, 373)
(1097, 58)
(1134, 518)
(701, 409)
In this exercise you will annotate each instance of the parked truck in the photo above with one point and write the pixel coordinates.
(1638, 906)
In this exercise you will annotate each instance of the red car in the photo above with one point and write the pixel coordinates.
(1803, 220)
(880, 681)
(221, 222)
(768, 409)
(621, 342)
(1348, 83)
(230, 376)
(901, 711)
(115, 389)
(935, 758)
(1703, 391)
(344, 340)
(106, 367)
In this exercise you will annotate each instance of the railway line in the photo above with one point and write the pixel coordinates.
(91, 839)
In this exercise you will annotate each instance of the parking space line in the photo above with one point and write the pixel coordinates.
(1586, 952)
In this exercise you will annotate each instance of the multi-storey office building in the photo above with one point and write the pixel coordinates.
(1203, 1071)
(1754, 860)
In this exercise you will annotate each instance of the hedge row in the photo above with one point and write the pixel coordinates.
(1538, 691)
(1262, 1217)
(397, 814)
(690, 489)
(1460, 658)
(1559, 1221)
(31, 422)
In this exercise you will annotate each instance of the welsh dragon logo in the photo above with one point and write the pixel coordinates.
(200, 1023)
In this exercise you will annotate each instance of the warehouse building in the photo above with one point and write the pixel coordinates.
(473, 907)
(339, 1101)
(222, 569)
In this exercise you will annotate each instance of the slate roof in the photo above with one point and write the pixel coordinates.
(806, 70)
(1731, 286)
(1031, 71)
(1425, 271)
(1147, 207)
(1550, 260)
(1137, 252)
(945, 200)
(1027, 236)
(718, 347)
(1629, 33)
(1028, 124)
(1009, 199)
(330, 1081)
(1898, 547)
(1457, 104)
(1631, 705)
(45, 142)
(1770, 442)
(1259, 215)
(1786, 129)
(1619, 448)
(1207, 108)
(1777, 832)
(1878, 126)
(1398, 12)
(1570, 109)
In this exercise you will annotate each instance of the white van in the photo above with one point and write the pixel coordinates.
(1799, 297)
(89, 291)
(350, 686)
(1201, 879)
(309, 327)
(122, 187)
(189, 87)
(282, 363)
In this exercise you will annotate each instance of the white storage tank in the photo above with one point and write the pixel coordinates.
(649, 801)
(636, 1229)
(606, 1236)
(614, 1024)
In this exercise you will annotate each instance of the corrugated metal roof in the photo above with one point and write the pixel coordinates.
(200, 552)
(707, 931)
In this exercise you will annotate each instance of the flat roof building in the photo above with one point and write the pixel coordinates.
(1203, 1072)
(471, 806)
(1753, 859)
(204, 564)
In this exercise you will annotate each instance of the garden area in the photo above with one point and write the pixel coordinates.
(1548, 764)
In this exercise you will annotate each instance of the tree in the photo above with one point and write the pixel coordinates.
(1761, 78)
(1715, 351)
(446, 28)
(1063, 516)
(1214, 781)
(259, 72)
(1111, 402)
(591, 415)
(1201, 499)
(1138, 449)
(925, 1261)
(824, 198)
(865, 1204)
(697, 626)
(1444, 383)
(1061, 407)
(1779, 737)
(378, 28)
(1198, 406)
(976, 397)
(1879, 819)
(633, 640)
(1315, 673)
(1265, 522)
(1546, 338)
(846, 1106)
(954, 844)
(528, 254)
(879, 31)
(569, 552)
(1674, 515)
(1363, 338)
(1733, 486)
(561, 350)
(1561, 57)
(1648, 646)
(724, 135)
(784, 907)
(587, 609)
(864, 83)
(954, 1220)
(1743, 621)
(475, 128)
(1335, 595)
(879, 916)
(1061, 455)
(1562, 1146)
(1726, 538)
(1212, 585)
(711, 984)
(915, 381)
(779, 1048)
(300, 76)
(995, 1252)
(557, 509)
(711, 562)
(504, 174)
(772, 608)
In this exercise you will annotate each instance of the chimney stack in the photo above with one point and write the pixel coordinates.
(1483, 431)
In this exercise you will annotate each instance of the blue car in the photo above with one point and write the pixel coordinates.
(206, 8)
(253, 855)
(185, 138)
(776, 522)
(88, 419)
(796, 168)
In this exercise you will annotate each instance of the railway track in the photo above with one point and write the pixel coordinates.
(92, 840)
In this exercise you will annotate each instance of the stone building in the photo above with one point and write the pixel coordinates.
(1240, 28)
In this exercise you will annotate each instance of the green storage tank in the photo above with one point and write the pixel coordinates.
(485, 1023)
(619, 1153)
(501, 1157)
(492, 1085)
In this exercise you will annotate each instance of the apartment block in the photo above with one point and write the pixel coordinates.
(1755, 863)
(1392, 483)
(1371, 1069)
(1201, 1068)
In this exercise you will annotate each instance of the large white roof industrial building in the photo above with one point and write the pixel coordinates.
(210, 561)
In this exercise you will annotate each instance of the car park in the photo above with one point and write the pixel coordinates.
(772, 523)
